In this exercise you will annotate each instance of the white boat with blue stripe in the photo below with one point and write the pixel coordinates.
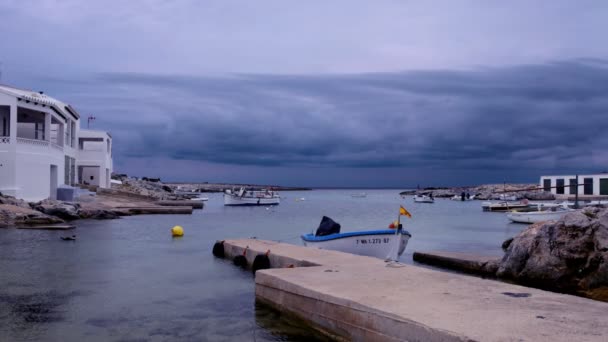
(388, 244)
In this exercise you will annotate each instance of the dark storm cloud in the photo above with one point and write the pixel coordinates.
(547, 116)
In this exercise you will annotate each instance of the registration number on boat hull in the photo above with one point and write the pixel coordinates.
(372, 241)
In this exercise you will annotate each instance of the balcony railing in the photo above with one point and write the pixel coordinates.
(57, 147)
(34, 142)
(5, 140)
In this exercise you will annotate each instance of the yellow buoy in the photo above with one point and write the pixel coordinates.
(177, 231)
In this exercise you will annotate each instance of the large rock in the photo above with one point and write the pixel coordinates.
(4, 199)
(11, 216)
(65, 210)
(569, 255)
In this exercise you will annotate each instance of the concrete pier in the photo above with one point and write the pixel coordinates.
(365, 299)
(175, 203)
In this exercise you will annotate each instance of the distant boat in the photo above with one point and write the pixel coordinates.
(359, 195)
(243, 197)
(383, 243)
(505, 197)
(537, 216)
(202, 199)
(503, 206)
(423, 199)
(460, 198)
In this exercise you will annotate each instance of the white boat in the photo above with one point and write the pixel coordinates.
(359, 195)
(505, 197)
(598, 202)
(503, 206)
(201, 199)
(423, 199)
(383, 244)
(537, 216)
(251, 197)
(459, 198)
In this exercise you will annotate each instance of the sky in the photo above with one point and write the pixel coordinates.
(383, 93)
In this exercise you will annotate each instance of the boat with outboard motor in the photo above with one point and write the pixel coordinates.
(388, 244)
(244, 197)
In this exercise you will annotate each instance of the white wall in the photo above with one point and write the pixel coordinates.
(92, 175)
(34, 176)
(8, 181)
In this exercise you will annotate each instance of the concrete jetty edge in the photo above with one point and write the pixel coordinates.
(360, 298)
(462, 262)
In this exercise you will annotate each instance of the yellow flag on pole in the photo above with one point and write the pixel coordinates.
(404, 212)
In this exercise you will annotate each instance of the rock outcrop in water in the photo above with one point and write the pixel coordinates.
(569, 255)
(11, 215)
(65, 210)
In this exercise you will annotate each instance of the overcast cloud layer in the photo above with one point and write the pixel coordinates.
(395, 94)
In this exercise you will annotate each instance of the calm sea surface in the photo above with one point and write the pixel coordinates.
(128, 280)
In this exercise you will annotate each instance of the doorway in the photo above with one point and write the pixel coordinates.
(53, 182)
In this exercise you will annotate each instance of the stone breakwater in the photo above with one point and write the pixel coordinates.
(488, 191)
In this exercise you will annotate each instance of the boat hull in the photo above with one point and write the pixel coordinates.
(423, 199)
(383, 244)
(504, 206)
(536, 216)
(234, 200)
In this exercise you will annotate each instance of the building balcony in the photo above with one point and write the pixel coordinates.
(26, 144)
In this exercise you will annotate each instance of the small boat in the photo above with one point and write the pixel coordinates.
(537, 216)
(201, 199)
(423, 199)
(598, 202)
(503, 206)
(359, 195)
(386, 244)
(505, 197)
(244, 197)
(462, 199)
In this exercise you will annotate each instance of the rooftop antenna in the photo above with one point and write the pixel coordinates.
(89, 119)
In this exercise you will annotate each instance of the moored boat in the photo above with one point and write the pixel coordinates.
(359, 195)
(537, 216)
(244, 197)
(503, 206)
(423, 199)
(388, 244)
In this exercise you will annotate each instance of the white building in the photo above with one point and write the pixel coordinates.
(589, 185)
(43, 147)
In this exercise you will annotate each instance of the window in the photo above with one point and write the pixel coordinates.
(547, 184)
(603, 186)
(73, 132)
(588, 185)
(559, 183)
(573, 186)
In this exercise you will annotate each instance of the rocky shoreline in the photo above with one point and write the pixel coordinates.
(487, 192)
(133, 197)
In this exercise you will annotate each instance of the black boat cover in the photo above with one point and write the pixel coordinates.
(327, 227)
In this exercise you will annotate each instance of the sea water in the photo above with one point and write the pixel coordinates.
(129, 280)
